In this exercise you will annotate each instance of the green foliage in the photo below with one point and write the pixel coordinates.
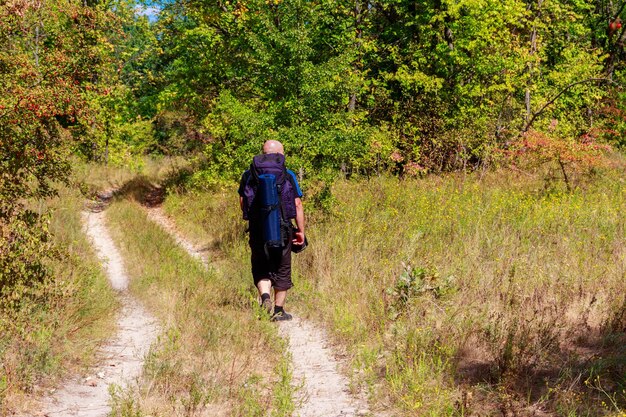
(414, 282)
(243, 130)
(24, 248)
(390, 86)
(50, 55)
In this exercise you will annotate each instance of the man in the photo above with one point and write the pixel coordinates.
(273, 269)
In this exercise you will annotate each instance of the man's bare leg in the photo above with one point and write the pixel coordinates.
(279, 297)
(279, 312)
(265, 286)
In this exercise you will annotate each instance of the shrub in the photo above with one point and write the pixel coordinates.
(569, 161)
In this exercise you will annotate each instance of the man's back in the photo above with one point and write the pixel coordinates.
(272, 269)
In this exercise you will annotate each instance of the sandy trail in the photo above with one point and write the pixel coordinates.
(322, 389)
(121, 358)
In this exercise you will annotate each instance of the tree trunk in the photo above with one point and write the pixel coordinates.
(37, 45)
(359, 42)
(106, 151)
(531, 67)
(615, 48)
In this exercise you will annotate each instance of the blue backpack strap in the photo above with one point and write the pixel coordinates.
(294, 183)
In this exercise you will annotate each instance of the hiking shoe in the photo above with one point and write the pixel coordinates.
(282, 316)
(267, 306)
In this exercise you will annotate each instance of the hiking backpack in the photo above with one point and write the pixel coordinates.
(269, 199)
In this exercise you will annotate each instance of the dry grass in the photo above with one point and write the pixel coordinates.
(53, 329)
(56, 331)
(91, 178)
(462, 295)
(215, 357)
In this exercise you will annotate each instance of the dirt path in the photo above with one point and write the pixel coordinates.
(324, 390)
(121, 358)
(156, 215)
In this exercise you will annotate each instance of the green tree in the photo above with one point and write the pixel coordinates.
(409, 86)
(52, 58)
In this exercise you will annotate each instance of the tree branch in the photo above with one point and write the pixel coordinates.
(556, 97)
(621, 8)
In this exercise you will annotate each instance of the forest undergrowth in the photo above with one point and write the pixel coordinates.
(478, 294)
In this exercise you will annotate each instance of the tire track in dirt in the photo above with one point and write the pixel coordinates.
(120, 359)
(322, 391)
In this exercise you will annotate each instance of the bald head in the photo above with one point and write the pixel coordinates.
(273, 146)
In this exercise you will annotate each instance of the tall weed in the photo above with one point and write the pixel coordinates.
(214, 357)
(511, 286)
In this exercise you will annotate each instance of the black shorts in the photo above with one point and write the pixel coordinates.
(276, 268)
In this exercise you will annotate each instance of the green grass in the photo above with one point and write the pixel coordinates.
(57, 328)
(52, 329)
(91, 178)
(459, 295)
(214, 357)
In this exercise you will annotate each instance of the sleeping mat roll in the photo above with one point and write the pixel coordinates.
(270, 209)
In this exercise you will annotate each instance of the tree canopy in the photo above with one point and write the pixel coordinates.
(411, 86)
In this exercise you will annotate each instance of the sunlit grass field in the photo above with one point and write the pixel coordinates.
(460, 294)
(214, 357)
